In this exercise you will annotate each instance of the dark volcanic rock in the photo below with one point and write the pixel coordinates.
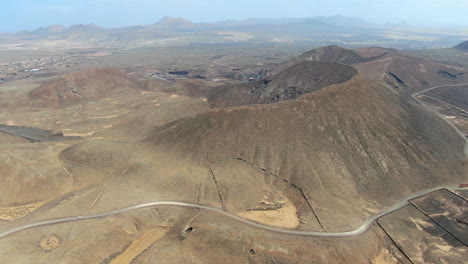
(35, 134)
(396, 78)
(302, 78)
(450, 75)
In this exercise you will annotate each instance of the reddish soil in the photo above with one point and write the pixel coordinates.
(86, 85)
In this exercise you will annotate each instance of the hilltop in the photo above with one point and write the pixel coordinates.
(50, 29)
(355, 139)
(170, 23)
(82, 86)
(408, 74)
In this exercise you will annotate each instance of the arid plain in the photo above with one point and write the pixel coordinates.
(288, 137)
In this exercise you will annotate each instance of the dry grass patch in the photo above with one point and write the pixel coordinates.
(285, 217)
(16, 212)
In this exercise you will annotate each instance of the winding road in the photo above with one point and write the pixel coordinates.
(440, 115)
(363, 228)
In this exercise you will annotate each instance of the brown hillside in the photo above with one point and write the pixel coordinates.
(188, 87)
(355, 147)
(86, 85)
(462, 46)
(331, 53)
(334, 53)
(324, 161)
(404, 73)
(374, 52)
(456, 96)
(408, 75)
(302, 78)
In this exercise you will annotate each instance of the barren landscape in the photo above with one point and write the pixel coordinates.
(138, 151)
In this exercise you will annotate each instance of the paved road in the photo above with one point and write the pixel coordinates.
(363, 228)
(440, 115)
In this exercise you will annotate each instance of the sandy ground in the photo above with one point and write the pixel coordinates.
(285, 217)
(50, 242)
(384, 257)
(139, 245)
(15, 212)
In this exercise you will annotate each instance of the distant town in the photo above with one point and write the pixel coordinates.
(22, 69)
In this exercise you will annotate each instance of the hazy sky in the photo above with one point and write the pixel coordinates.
(31, 14)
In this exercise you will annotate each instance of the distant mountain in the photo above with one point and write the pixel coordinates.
(402, 24)
(337, 20)
(462, 46)
(254, 21)
(312, 21)
(171, 23)
(180, 24)
(298, 29)
(83, 27)
(340, 20)
(53, 29)
(50, 29)
(317, 31)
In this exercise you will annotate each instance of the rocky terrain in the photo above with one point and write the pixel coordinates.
(321, 145)
(384, 142)
(301, 78)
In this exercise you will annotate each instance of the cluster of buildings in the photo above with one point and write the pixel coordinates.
(21, 69)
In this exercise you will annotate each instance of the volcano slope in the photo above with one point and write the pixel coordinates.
(324, 161)
(354, 147)
(407, 74)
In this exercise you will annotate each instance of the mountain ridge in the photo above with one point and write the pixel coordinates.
(462, 46)
(168, 22)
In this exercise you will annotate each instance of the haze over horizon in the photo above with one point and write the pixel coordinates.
(30, 15)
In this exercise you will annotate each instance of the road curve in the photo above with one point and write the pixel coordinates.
(440, 115)
(363, 228)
